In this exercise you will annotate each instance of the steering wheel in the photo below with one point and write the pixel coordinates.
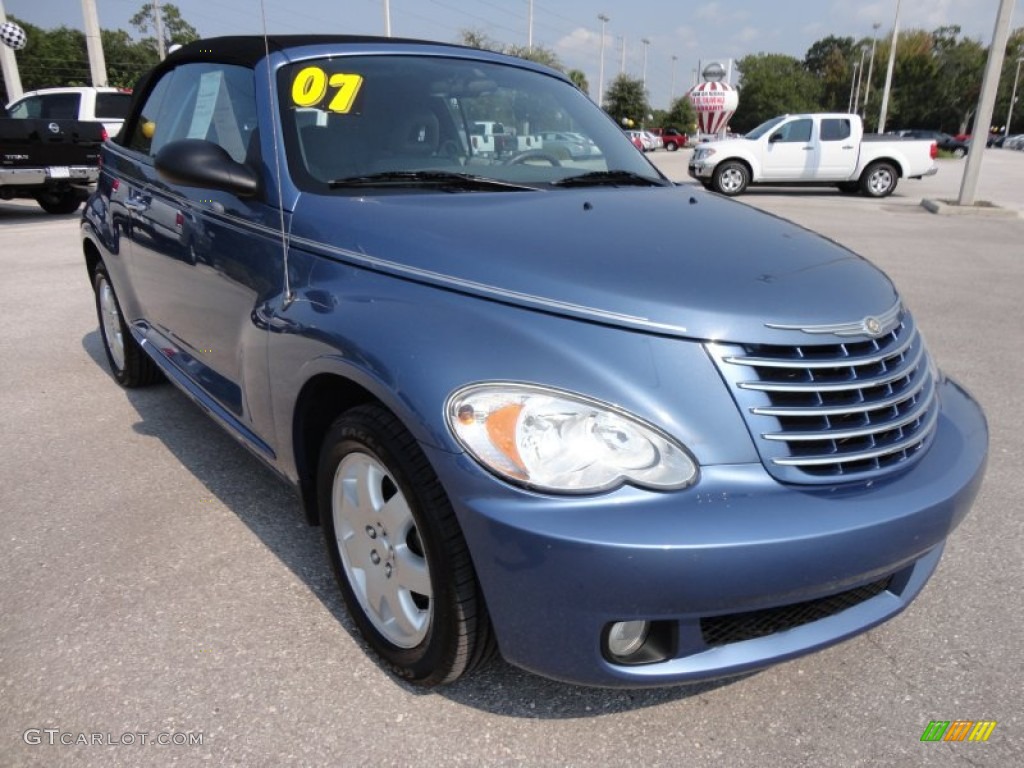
(534, 154)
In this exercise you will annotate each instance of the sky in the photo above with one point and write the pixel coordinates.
(693, 31)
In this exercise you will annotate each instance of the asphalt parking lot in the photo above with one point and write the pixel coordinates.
(155, 579)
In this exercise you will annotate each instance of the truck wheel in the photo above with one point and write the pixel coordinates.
(879, 180)
(671, 146)
(959, 152)
(59, 202)
(131, 366)
(730, 178)
(397, 550)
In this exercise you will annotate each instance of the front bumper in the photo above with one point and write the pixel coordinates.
(701, 169)
(556, 571)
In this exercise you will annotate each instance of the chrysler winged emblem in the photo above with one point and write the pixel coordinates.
(54, 128)
(871, 326)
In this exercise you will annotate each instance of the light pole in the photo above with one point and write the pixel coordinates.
(858, 72)
(622, 63)
(646, 42)
(387, 18)
(672, 96)
(853, 88)
(888, 71)
(600, 85)
(871, 65)
(1013, 98)
(529, 33)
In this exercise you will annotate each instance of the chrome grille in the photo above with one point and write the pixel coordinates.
(824, 412)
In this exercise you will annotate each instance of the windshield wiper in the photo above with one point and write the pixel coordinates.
(610, 178)
(443, 179)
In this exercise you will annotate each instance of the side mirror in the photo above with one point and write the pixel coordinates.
(199, 163)
(775, 138)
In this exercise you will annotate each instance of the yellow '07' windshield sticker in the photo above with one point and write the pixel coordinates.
(312, 86)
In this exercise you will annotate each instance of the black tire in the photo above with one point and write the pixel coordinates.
(879, 180)
(129, 364)
(959, 152)
(672, 146)
(730, 178)
(405, 528)
(59, 202)
(848, 187)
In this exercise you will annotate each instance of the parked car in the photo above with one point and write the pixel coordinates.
(625, 432)
(644, 140)
(654, 140)
(672, 138)
(944, 141)
(565, 145)
(812, 149)
(92, 105)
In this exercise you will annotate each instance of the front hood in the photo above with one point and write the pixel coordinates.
(672, 260)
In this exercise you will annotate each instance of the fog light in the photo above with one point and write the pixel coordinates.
(627, 637)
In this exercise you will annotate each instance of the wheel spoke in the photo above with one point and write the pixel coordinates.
(410, 619)
(395, 516)
(411, 571)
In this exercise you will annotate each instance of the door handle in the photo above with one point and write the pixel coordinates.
(808, 149)
(136, 205)
(847, 146)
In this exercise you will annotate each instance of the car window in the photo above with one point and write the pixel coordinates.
(835, 129)
(113, 105)
(214, 102)
(796, 131)
(386, 114)
(50, 106)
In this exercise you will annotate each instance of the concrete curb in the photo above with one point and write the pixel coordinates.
(952, 208)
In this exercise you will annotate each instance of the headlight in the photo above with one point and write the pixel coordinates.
(558, 441)
(703, 154)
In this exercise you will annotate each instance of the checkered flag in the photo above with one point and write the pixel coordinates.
(12, 35)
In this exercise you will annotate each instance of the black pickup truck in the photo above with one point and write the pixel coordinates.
(54, 162)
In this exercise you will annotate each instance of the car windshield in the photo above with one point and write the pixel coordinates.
(413, 122)
(763, 128)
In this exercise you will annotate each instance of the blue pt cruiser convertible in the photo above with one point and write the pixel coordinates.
(555, 406)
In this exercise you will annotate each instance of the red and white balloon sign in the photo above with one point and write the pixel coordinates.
(714, 103)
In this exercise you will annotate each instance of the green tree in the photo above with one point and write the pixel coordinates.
(1014, 51)
(538, 54)
(680, 115)
(773, 84)
(477, 38)
(579, 79)
(127, 60)
(176, 29)
(831, 60)
(626, 100)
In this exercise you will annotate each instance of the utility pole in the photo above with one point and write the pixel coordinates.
(888, 72)
(622, 64)
(600, 86)
(9, 64)
(1013, 98)
(387, 18)
(989, 88)
(646, 42)
(94, 43)
(672, 95)
(158, 18)
(529, 24)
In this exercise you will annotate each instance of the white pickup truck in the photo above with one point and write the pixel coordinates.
(817, 149)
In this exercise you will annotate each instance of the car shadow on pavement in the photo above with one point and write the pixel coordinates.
(270, 508)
